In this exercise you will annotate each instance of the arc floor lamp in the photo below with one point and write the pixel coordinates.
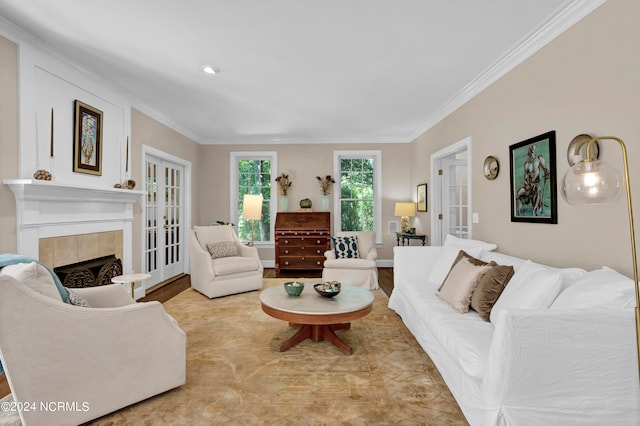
(591, 181)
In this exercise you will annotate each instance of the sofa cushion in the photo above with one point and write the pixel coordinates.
(350, 264)
(445, 261)
(465, 243)
(531, 287)
(213, 234)
(466, 338)
(460, 283)
(346, 247)
(234, 265)
(35, 276)
(222, 249)
(601, 288)
(502, 259)
(489, 289)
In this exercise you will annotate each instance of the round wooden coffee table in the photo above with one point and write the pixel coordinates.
(317, 317)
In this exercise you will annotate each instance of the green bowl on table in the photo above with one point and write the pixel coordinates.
(293, 288)
(328, 289)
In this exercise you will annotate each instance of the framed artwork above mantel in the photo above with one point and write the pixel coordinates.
(87, 141)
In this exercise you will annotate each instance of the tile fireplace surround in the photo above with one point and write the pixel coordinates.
(49, 210)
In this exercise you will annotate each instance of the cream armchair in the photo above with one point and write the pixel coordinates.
(95, 359)
(229, 268)
(362, 271)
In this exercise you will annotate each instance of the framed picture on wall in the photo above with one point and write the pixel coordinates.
(87, 141)
(533, 180)
(422, 197)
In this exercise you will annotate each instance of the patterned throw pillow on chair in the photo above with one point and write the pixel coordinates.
(222, 249)
(346, 247)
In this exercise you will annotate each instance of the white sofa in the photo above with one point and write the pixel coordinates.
(571, 362)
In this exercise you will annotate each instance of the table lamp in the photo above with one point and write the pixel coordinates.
(252, 209)
(405, 210)
(592, 181)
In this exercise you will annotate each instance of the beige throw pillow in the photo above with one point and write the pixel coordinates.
(222, 249)
(460, 284)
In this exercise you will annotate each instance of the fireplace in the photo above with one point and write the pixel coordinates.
(62, 223)
(90, 273)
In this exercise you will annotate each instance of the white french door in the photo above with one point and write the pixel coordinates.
(164, 212)
(451, 195)
(455, 203)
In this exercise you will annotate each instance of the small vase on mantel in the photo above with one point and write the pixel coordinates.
(324, 203)
(284, 203)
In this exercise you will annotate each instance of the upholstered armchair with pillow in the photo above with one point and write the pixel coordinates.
(352, 259)
(221, 264)
(97, 353)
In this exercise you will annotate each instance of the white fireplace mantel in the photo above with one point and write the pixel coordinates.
(53, 209)
(43, 190)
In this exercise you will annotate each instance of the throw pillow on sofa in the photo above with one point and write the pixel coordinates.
(34, 276)
(461, 282)
(445, 261)
(465, 243)
(604, 287)
(531, 287)
(489, 289)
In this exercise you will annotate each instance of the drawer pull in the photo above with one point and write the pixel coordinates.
(302, 258)
(286, 241)
(286, 252)
(318, 242)
(318, 251)
(286, 262)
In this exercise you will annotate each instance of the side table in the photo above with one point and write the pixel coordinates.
(132, 279)
(405, 236)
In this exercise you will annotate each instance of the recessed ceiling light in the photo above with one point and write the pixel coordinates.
(208, 69)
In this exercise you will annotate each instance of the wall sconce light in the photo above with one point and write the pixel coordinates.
(592, 181)
(405, 210)
(252, 209)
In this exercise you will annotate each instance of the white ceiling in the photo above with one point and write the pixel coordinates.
(297, 71)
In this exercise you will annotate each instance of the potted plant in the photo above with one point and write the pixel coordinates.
(284, 183)
(326, 184)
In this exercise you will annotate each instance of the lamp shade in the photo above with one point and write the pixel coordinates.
(252, 207)
(405, 209)
(592, 182)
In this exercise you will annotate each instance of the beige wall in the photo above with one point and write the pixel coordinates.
(8, 142)
(303, 162)
(585, 81)
(147, 131)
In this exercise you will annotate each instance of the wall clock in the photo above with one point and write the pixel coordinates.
(491, 167)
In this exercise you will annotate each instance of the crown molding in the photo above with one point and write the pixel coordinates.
(558, 22)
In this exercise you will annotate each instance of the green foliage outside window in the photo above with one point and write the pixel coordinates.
(254, 177)
(357, 194)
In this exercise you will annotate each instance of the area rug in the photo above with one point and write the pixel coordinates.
(237, 376)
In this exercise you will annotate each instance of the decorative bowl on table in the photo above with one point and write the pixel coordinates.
(293, 288)
(327, 289)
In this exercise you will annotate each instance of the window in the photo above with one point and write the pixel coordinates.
(251, 173)
(358, 193)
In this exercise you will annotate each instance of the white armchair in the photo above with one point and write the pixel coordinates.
(362, 271)
(238, 269)
(100, 358)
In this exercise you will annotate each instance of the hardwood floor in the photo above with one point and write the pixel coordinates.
(182, 282)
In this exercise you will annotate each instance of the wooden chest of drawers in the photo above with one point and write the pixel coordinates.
(301, 240)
